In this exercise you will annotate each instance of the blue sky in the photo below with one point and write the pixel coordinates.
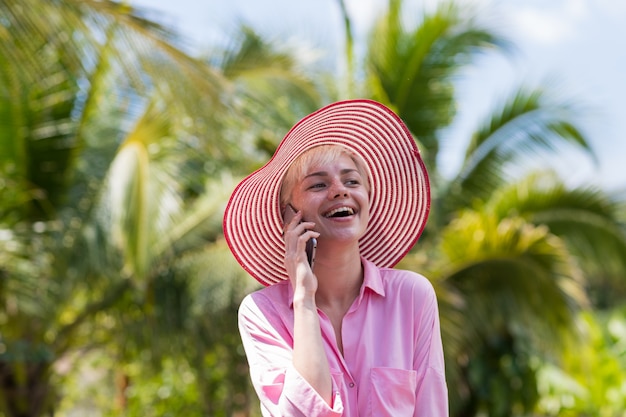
(577, 44)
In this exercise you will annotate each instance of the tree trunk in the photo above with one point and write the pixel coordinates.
(25, 389)
(121, 385)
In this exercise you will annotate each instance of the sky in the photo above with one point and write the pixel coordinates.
(575, 46)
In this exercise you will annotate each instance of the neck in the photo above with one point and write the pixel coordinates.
(340, 276)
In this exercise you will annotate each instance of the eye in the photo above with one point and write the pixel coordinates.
(317, 185)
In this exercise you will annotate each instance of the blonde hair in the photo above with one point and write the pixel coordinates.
(319, 155)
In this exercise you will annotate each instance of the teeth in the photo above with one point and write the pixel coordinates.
(340, 210)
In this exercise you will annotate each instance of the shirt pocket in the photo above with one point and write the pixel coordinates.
(392, 392)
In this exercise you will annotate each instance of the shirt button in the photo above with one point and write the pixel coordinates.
(351, 384)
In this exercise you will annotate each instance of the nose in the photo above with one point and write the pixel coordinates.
(338, 190)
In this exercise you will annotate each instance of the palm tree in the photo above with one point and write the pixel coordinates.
(86, 100)
(500, 249)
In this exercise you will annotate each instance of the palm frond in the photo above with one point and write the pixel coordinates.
(37, 104)
(528, 124)
(143, 194)
(508, 270)
(262, 72)
(496, 276)
(488, 175)
(586, 218)
(421, 90)
(197, 224)
(51, 100)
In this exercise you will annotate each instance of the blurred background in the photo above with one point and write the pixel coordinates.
(124, 126)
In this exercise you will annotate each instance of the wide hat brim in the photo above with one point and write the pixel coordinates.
(399, 196)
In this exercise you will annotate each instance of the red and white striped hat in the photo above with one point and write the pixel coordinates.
(399, 196)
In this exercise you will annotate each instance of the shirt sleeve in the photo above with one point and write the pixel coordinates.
(280, 387)
(432, 390)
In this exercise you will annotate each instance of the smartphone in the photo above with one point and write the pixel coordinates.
(311, 244)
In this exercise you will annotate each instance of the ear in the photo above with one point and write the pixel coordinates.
(288, 213)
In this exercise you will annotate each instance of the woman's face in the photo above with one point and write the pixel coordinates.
(333, 196)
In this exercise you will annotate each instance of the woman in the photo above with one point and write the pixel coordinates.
(345, 335)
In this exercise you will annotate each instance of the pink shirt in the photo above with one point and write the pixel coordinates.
(393, 358)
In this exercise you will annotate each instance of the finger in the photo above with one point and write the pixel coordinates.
(292, 223)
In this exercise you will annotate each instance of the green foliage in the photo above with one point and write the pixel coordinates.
(501, 377)
(531, 122)
(518, 265)
(588, 377)
(586, 218)
(505, 271)
(102, 386)
(185, 354)
(75, 256)
(413, 70)
(171, 392)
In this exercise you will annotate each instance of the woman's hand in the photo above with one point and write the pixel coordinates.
(296, 235)
(309, 357)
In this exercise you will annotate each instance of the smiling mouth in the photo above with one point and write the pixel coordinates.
(339, 212)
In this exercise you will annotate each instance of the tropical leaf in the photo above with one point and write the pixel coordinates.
(586, 218)
(78, 86)
(529, 124)
(265, 72)
(523, 267)
(52, 98)
(582, 214)
(505, 271)
(413, 70)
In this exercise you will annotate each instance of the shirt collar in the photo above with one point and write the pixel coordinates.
(371, 280)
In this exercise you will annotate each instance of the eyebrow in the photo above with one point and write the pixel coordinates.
(325, 173)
